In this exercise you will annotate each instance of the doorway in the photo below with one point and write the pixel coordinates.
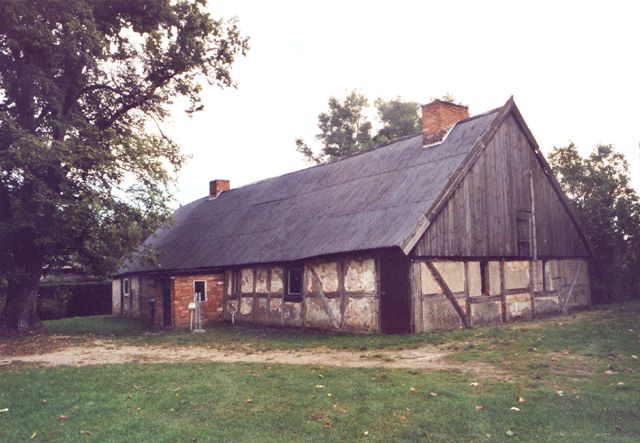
(166, 303)
(395, 304)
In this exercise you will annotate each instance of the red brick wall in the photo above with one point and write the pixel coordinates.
(218, 186)
(438, 116)
(182, 295)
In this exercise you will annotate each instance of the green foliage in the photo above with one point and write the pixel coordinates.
(600, 191)
(345, 129)
(84, 167)
(399, 118)
(55, 305)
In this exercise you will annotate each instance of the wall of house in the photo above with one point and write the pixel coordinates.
(340, 294)
(558, 285)
(116, 297)
(490, 212)
(182, 293)
(151, 289)
(145, 289)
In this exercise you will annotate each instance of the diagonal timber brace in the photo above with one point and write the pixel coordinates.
(443, 285)
(317, 285)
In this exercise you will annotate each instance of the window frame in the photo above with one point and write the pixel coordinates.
(205, 289)
(126, 287)
(289, 296)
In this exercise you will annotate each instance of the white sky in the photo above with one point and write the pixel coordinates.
(573, 68)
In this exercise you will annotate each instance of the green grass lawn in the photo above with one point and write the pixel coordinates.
(578, 378)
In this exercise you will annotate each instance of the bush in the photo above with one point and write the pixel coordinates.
(54, 305)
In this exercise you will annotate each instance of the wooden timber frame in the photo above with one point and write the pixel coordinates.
(312, 288)
(447, 292)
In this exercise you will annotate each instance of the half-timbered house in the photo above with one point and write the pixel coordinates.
(461, 225)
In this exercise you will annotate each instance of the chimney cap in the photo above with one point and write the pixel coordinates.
(218, 186)
(438, 117)
(445, 102)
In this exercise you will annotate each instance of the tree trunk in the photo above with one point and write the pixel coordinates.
(20, 312)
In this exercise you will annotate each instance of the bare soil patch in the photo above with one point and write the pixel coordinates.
(99, 352)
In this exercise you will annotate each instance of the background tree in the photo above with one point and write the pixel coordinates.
(600, 191)
(344, 130)
(399, 118)
(82, 177)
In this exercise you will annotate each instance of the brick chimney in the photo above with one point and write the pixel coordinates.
(438, 117)
(218, 186)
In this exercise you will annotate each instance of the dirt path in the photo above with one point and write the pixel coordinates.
(101, 352)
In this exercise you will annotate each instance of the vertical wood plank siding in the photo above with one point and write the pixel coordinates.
(480, 219)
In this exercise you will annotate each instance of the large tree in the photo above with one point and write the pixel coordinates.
(84, 166)
(599, 188)
(398, 118)
(345, 129)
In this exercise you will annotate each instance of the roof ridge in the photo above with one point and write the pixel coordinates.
(364, 151)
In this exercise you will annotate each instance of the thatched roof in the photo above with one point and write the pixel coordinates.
(368, 201)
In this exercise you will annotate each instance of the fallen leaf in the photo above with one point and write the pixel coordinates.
(433, 394)
(609, 372)
(620, 383)
(560, 393)
(521, 399)
(635, 357)
(4, 410)
(85, 432)
(412, 389)
(513, 408)
(34, 435)
(479, 407)
(138, 408)
(510, 433)
(475, 383)
(366, 433)
(248, 400)
(44, 402)
(319, 386)
(62, 418)
(328, 425)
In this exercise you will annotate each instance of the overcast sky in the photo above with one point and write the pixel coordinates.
(573, 68)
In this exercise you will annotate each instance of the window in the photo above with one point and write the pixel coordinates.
(125, 286)
(484, 277)
(294, 284)
(524, 233)
(200, 288)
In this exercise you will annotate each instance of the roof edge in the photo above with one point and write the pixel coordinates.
(425, 220)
